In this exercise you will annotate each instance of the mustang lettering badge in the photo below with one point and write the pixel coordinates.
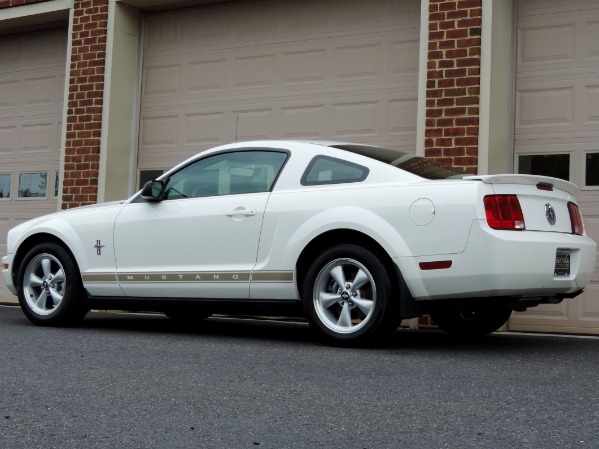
(99, 247)
(550, 214)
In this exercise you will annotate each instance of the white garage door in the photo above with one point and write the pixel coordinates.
(242, 70)
(557, 127)
(32, 75)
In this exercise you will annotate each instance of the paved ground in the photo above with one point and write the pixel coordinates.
(137, 381)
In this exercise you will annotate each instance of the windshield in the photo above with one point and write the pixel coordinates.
(419, 166)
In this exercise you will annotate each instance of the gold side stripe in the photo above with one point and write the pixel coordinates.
(100, 277)
(184, 277)
(257, 276)
(272, 276)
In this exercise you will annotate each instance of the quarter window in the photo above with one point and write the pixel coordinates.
(227, 174)
(328, 170)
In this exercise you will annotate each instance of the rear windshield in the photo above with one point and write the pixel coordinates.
(419, 166)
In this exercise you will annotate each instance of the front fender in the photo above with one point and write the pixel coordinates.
(80, 230)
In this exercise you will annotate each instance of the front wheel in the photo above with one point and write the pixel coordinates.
(49, 287)
(348, 296)
(469, 322)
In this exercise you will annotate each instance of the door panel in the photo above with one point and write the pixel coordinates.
(189, 248)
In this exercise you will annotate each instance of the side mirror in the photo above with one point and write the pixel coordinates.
(153, 191)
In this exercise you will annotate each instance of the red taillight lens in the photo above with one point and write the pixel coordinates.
(575, 219)
(504, 212)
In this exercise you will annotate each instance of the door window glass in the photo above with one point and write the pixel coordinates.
(227, 174)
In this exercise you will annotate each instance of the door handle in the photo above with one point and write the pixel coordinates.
(243, 212)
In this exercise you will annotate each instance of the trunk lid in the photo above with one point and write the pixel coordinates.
(544, 200)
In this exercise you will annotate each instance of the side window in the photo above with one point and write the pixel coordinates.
(328, 170)
(227, 174)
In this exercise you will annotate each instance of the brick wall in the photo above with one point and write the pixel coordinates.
(10, 3)
(453, 83)
(84, 109)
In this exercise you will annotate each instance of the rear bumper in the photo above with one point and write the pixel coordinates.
(7, 260)
(503, 263)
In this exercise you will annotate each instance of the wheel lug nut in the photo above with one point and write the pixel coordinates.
(348, 286)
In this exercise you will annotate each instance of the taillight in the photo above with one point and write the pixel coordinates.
(575, 219)
(504, 212)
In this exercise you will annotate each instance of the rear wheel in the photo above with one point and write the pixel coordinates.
(347, 295)
(468, 322)
(49, 286)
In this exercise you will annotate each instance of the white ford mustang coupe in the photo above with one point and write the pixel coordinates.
(354, 237)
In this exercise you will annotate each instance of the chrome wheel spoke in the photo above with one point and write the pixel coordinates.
(328, 299)
(338, 275)
(46, 267)
(360, 280)
(40, 302)
(35, 281)
(345, 316)
(365, 305)
(59, 276)
(56, 296)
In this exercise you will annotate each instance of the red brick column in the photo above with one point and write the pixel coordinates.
(453, 83)
(84, 109)
(11, 3)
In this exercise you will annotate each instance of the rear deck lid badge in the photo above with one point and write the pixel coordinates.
(550, 214)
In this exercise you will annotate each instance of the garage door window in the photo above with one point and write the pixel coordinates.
(592, 170)
(33, 185)
(148, 175)
(5, 181)
(56, 183)
(555, 165)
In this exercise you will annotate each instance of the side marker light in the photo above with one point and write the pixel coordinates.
(436, 265)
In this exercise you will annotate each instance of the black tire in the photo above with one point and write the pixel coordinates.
(49, 287)
(466, 323)
(350, 314)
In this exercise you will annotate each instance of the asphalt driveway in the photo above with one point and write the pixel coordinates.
(140, 381)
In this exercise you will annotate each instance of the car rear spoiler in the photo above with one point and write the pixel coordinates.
(556, 183)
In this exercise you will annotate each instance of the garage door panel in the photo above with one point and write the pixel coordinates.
(557, 112)
(32, 75)
(389, 117)
(374, 60)
(250, 70)
(30, 91)
(558, 42)
(566, 107)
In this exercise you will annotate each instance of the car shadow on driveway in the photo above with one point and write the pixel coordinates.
(297, 331)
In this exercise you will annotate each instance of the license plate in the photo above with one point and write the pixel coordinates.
(562, 263)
